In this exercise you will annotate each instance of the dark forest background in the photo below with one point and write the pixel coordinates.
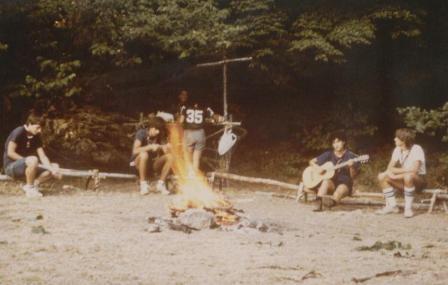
(94, 67)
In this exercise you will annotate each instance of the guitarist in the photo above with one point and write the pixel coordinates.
(340, 185)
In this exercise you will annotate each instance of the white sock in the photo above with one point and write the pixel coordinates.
(408, 197)
(389, 195)
(142, 183)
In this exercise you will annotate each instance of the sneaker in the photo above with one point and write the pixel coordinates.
(144, 188)
(408, 213)
(388, 210)
(161, 187)
(32, 191)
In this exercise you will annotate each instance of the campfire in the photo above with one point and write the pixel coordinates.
(196, 206)
(194, 191)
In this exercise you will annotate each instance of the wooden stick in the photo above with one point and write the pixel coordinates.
(254, 180)
(224, 61)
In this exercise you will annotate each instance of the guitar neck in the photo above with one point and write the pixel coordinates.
(345, 163)
(340, 165)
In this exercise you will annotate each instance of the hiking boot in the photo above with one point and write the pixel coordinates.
(161, 187)
(144, 188)
(388, 210)
(408, 213)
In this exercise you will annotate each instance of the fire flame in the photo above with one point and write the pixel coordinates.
(193, 188)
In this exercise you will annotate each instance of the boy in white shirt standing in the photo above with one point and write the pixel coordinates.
(405, 171)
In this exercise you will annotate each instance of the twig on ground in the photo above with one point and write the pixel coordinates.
(382, 274)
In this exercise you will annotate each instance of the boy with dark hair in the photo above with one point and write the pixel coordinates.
(193, 117)
(340, 185)
(23, 150)
(150, 150)
(405, 171)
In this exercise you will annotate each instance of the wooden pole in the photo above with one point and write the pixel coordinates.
(254, 180)
(224, 90)
(224, 64)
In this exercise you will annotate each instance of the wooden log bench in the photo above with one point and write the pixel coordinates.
(437, 196)
(94, 176)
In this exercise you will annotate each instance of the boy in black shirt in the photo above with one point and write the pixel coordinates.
(23, 150)
(340, 185)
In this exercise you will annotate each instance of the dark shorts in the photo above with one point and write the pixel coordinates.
(343, 180)
(16, 169)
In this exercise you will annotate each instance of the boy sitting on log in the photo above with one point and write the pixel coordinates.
(22, 153)
(151, 152)
(405, 171)
(341, 184)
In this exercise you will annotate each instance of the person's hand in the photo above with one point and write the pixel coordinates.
(391, 175)
(350, 163)
(166, 147)
(55, 170)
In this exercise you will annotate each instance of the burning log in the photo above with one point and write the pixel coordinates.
(195, 196)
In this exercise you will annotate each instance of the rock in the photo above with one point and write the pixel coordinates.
(154, 229)
(197, 219)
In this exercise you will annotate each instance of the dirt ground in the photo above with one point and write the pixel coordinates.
(85, 237)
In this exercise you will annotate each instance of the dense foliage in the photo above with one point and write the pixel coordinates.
(318, 66)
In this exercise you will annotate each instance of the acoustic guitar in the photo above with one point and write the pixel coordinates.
(312, 177)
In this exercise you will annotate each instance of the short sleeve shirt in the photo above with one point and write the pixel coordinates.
(342, 175)
(406, 159)
(195, 116)
(26, 144)
(145, 139)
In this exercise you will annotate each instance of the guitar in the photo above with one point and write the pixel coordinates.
(311, 177)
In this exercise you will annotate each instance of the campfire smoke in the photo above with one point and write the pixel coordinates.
(194, 192)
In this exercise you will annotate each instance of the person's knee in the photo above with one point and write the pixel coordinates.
(382, 176)
(143, 156)
(32, 161)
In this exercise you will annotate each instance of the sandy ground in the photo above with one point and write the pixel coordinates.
(84, 237)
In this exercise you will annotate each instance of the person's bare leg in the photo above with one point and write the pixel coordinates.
(323, 189)
(196, 159)
(410, 181)
(31, 169)
(141, 162)
(341, 191)
(43, 177)
(164, 163)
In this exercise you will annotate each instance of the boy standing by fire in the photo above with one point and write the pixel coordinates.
(193, 117)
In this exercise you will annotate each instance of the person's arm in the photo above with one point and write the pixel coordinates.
(43, 158)
(12, 154)
(400, 170)
(138, 148)
(54, 168)
(354, 170)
